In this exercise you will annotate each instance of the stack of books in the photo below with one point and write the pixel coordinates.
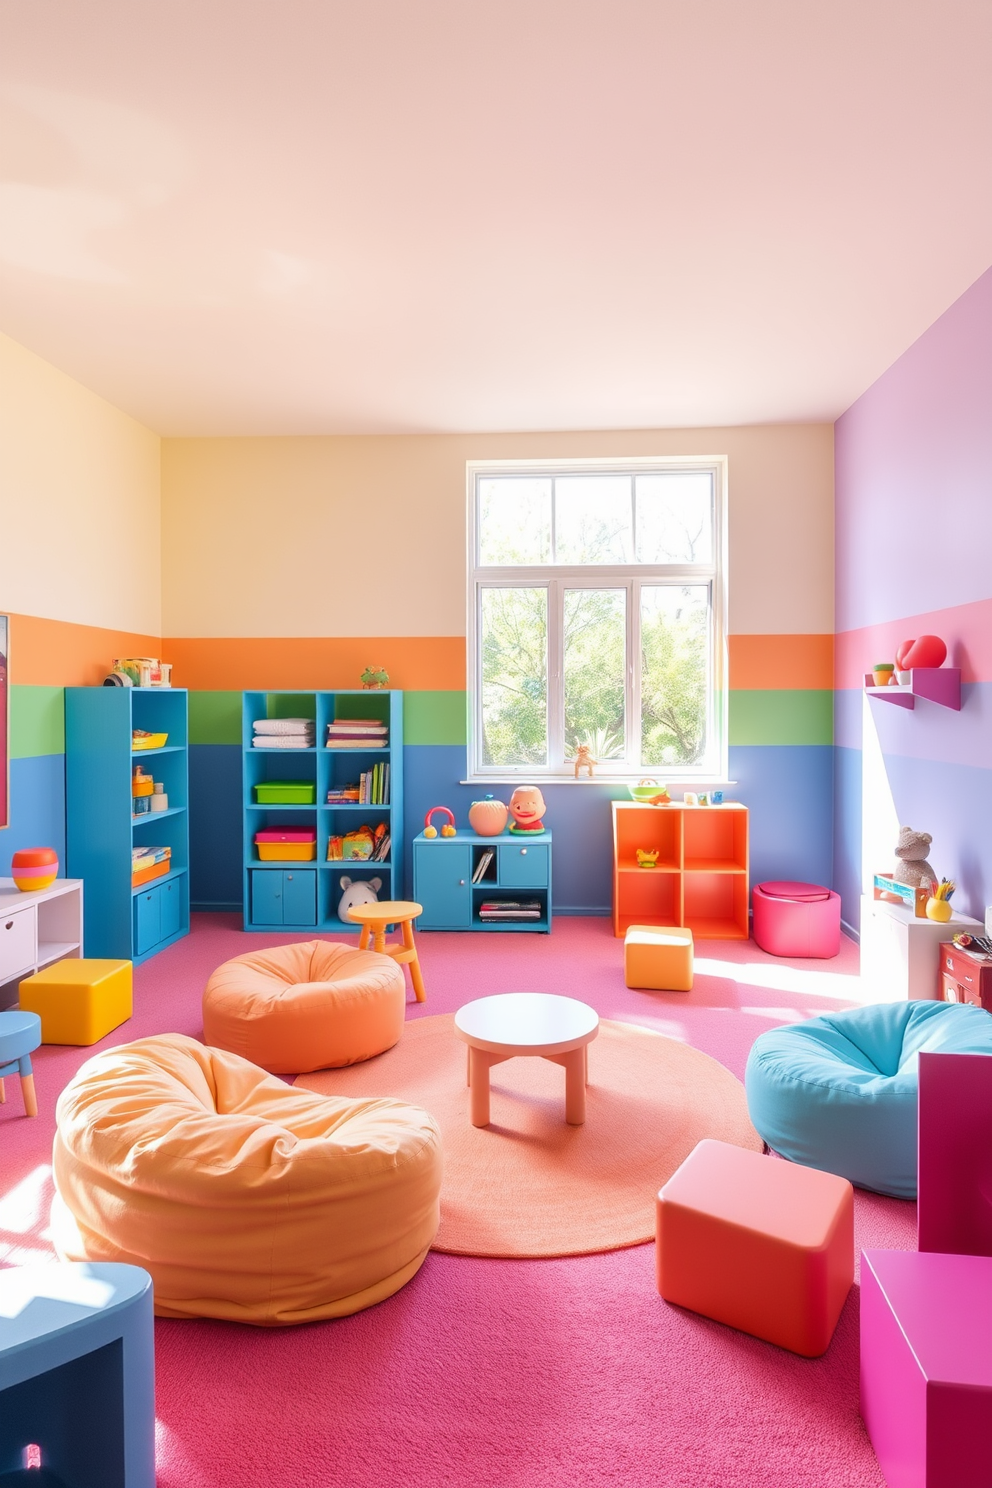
(357, 733)
(284, 733)
(345, 795)
(148, 863)
(510, 909)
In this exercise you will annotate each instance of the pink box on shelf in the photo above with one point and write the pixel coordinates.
(286, 836)
(926, 1366)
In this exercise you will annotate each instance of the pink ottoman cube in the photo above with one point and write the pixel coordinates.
(926, 1367)
(796, 919)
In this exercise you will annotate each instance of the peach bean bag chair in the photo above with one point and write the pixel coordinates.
(296, 1008)
(244, 1198)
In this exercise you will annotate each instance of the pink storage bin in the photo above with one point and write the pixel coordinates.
(796, 919)
(290, 835)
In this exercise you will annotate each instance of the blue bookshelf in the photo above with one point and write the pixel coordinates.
(121, 921)
(299, 895)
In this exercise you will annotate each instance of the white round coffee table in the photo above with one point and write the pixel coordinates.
(528, 1023)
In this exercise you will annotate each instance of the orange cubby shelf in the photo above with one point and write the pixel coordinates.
(701, 877)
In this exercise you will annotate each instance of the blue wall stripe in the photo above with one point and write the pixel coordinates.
(37, 808)
(847, 832)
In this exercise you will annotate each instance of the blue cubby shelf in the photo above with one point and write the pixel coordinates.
(301, 895)
(120, 920)
(443, 880)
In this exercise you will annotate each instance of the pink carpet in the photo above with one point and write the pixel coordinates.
(530, 1374)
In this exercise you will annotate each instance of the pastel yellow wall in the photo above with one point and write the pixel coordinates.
(80, 502)
(365, 536)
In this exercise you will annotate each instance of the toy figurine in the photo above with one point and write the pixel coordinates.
(912, 867)
(646, 859)
(375, 677)
(527, 807)
(584, 760)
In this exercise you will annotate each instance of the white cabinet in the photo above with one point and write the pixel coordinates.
(36, 929)
(900, 955)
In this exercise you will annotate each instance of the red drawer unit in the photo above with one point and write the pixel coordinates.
(965, 977)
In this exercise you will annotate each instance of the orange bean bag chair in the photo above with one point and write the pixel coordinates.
(244, 1198)
(296, 1008)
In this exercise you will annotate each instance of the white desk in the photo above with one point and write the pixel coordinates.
(37, 928)
(900, 955)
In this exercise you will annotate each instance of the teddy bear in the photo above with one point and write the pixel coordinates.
(357, 892)
(912, 867)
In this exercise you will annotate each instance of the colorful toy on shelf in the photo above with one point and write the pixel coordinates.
(142, 739)
(646, 859)
(884, 673)
(356, 892)
(375, 678)
(926, 651)
(527, 808)
(939, 903)
(649, 793)
(488, 818)
(690, 798)
(911, 851)
(34, 868)
(584, 760)
(139, 671)
(448, 830)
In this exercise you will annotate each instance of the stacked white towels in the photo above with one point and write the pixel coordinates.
(284, 733)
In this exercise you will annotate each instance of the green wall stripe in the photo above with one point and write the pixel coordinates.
(37, 720)
(434, 718)
(215, 718)
(428, 718)
(786, 717)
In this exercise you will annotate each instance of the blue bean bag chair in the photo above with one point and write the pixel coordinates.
(839, 1092)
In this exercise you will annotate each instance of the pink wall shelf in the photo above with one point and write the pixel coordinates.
(940, 685)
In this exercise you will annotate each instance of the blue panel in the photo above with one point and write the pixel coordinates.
(789, 792)
(299, 897)
(847, 833)
(523, 865)
(171, 907)
(954, 804)
(442, 884)
(266, 896)
(37, 808)
(147, 920)
(215, 826)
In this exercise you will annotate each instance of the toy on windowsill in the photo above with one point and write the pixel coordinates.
(649, 793)
(448, 830)
(527, 808)
(646, 859)
(374, 678)
(939, 903)
(584, 760)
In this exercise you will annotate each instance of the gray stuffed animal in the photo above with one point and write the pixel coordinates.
(911, 852)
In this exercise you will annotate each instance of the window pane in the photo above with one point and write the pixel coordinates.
(514, 646)
(595, 627)
(593, 519)
(675, 517)
(514, 520)
(674, 673)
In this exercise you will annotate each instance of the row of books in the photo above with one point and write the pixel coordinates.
(372, 789)
(357, 733)
(509, 910)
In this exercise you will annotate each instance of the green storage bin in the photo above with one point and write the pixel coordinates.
(286, 793)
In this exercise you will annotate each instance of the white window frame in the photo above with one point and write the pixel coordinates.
(628, 576)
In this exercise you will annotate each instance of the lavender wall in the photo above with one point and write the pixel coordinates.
(913, 556)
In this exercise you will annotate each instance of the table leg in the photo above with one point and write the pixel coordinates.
(379, 939)
(415, 975)
(478, 1064)
(575, 1087)
(3, 1094)
(363, 939)
(585, 1062)
(28, 1092)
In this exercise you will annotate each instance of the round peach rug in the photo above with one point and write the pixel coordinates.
(528, 1184)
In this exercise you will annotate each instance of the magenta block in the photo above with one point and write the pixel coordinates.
(926, 1367)
(955, 1154)
(796, 919)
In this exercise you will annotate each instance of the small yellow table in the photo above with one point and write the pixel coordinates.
(374, 918)
(78, 1000)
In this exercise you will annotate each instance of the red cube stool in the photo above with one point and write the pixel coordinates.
(796, 919)
(764, 1245)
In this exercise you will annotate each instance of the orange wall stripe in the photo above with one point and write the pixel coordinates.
(414, 663)
(781, 662)
(56, 653)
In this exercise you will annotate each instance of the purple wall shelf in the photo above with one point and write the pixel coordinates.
(940, 685)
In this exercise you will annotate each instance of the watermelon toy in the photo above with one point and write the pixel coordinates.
(34, 868)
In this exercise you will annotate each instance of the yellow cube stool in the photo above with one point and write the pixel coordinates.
(78, 1000)
(658, 958)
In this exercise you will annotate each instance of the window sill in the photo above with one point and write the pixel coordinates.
(699, 782)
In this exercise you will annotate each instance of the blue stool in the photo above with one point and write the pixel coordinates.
(840, 1092)
(77, 1375)
(20, 1035)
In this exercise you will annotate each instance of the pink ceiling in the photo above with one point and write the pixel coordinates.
(306, 216)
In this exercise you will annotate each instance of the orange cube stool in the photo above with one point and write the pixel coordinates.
(658, 958)
(764, 1245)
